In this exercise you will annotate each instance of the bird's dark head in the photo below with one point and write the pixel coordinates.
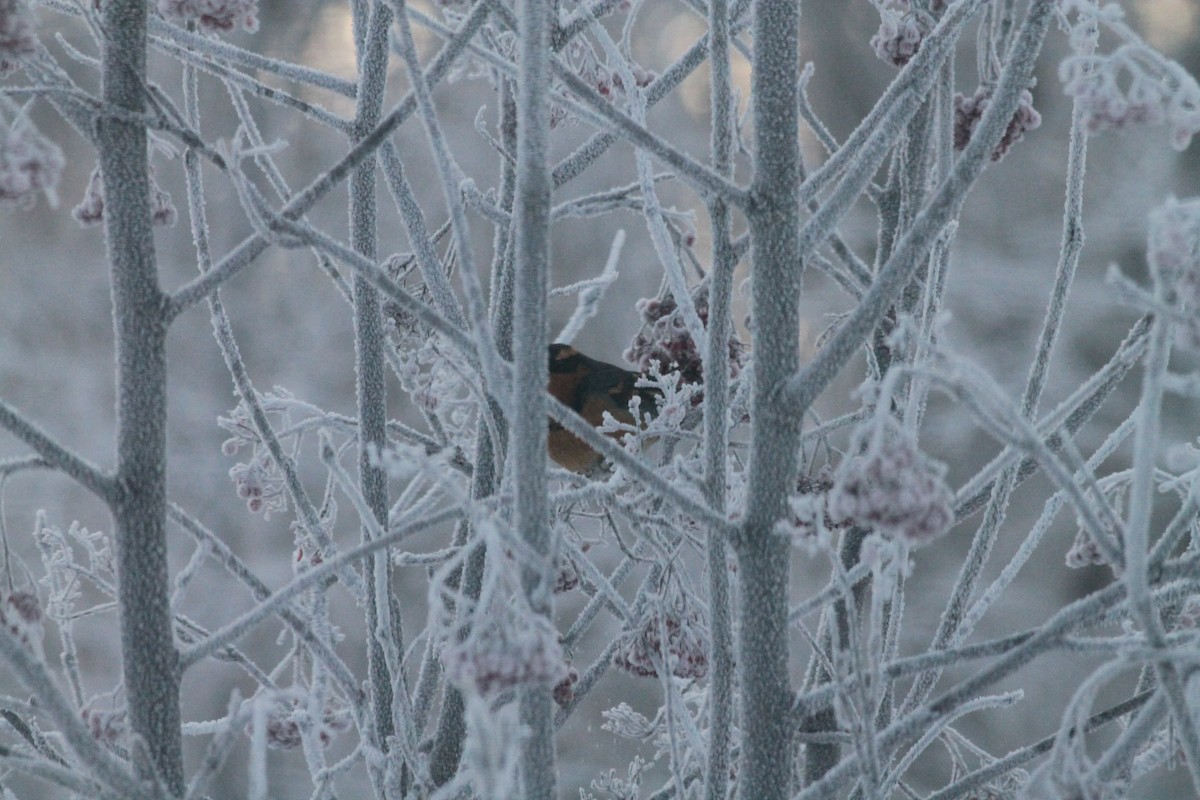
(565, 359)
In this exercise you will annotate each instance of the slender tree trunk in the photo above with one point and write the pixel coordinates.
(762, 554)
(149, 656)
(369, 341)
(447, 748)
(529, 432)
(716, 414)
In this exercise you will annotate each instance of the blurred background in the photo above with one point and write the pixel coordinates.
(294, 330)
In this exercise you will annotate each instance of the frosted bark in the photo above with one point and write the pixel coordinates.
(151, 661)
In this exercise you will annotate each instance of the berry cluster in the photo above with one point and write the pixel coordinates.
(1131, 87)
(289, 714)
(566, 575)
(1084, 552)
(968, 111)
(901, 30)
(564, 690)
(106, 725)
(259, 480)
(664, 338)
(894, 489)
(29, 162)
(609, 84)
(686, 652)
(504, 653)
(809, 516)
(90, 210)
(212, 16)
(17, 40)
(21, 616)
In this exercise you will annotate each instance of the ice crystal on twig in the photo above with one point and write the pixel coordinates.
(63, 571)
(617, 788)
(627, 723)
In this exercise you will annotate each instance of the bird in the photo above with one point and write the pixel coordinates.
(589, 387)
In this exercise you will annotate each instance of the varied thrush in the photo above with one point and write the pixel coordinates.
(589, 387)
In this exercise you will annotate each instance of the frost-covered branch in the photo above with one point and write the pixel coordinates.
(249, 249)
(803, 388)
(89, 476)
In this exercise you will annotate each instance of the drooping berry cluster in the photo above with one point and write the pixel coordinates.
(968, 111)
(641, 647)
(289, 715)
(17, 40)
(564, 690)
(1132, 86)
(809, 515)
(21, 616)
(90, 210)
(106, 725)
(212, 16)
(664, 338)
(29, 162)
(507, 651)
(901, 29)
(892, 488)
(259, 480)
